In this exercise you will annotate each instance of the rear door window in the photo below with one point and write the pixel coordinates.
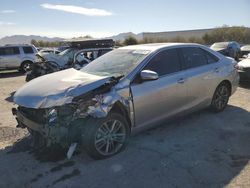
(28, 50)
(2, 51)
(210, 57)
(193, 57)
(10, 51)
(165, 62)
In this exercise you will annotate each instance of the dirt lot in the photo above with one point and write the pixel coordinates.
(200, 150)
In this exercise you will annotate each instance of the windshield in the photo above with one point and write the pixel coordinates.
(117, 62)
(220, 45)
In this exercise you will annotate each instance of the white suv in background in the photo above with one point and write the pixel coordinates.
(17, 57)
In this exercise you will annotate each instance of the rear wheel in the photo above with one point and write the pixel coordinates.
(221, 97)
(105, 137)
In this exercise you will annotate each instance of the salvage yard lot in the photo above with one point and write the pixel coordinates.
(200, 150)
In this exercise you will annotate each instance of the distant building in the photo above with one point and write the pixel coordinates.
(173, 34)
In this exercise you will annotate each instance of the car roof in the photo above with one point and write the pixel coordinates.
(156, 46)
(246, 46)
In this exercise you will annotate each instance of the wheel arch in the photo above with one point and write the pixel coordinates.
(121, 109)
(227, 82)
(26, 60)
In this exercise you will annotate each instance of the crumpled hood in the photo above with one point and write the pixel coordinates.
(60, 60)
(57, 88)
(244, 63)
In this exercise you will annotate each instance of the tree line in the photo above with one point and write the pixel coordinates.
(41, 43)
(239, 34)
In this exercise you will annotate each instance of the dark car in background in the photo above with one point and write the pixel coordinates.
(230, 49)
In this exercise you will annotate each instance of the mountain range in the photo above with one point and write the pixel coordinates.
(24, 39)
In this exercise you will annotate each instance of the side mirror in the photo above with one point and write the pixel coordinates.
(147, 75)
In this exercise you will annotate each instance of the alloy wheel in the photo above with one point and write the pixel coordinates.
(26, 67)
(110, 137)
(221, 97)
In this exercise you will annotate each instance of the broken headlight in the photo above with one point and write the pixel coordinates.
(60, 114)
(52, 116)
(83, 107)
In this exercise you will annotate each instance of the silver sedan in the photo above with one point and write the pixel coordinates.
(123, 92)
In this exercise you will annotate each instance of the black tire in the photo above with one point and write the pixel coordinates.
(29, 77)
(95, 127)
(25, 66)
(220, 97)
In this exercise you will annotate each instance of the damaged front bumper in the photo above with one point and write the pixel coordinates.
(61, 133)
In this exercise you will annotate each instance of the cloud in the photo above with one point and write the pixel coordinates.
(6, 23)
(78, 10)
(7, 11)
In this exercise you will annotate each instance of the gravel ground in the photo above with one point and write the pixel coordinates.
(200, 150)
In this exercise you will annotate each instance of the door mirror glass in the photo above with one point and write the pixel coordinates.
(147, 75)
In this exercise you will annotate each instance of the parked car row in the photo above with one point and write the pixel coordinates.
(233, 49)
(122, 92)
(230, 49)
(79, 54)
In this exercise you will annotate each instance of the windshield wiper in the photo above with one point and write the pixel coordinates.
(117, 77)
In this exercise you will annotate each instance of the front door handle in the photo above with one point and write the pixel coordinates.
(181, 81)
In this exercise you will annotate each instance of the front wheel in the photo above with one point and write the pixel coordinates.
(220, 98)
(105, 137)
(25, 66)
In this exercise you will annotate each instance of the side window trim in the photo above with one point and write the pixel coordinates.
(207, 53)
(15, 51)
(183, 59)
(167, 74)
(28, 49)
(135, 77)
(157, 53)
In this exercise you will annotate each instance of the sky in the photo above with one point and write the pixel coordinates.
(104, 18)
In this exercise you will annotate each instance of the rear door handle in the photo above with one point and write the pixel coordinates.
(181, 81)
